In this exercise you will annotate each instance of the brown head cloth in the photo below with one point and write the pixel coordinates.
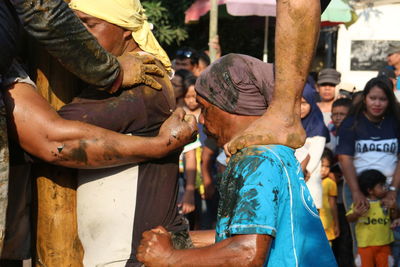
(237, 84)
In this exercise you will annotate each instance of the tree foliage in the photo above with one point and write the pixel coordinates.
(167, 16)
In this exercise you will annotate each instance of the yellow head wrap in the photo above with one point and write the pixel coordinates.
(127, 14)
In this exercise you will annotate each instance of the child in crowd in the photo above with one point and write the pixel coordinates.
(373, 232)
(343, 244)
(340, 109)
(190, 158)
(187, 160)
(328, 212)
(396, 244)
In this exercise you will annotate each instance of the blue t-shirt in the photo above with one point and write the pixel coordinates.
(263, 192)
(373, 146)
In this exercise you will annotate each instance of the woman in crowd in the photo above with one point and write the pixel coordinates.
(317, 136)
(369, 139)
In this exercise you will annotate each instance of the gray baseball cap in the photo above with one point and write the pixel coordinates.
(393, 49)
(331, 76)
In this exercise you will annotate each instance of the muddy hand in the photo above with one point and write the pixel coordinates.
(139, 69)
(155, 248)
(180, 129)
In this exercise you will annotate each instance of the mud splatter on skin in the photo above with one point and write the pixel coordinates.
(111, 153)
(79, 154)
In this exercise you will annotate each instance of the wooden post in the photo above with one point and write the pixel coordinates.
(4, 171)
(56, 236)
(265, 51)
(213, 27)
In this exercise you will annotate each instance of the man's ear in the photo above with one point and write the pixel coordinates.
(127, 35)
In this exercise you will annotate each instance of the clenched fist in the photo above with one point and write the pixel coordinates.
(155, 248)
(179, 129)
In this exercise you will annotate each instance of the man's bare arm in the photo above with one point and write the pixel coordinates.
(202, 238)
(240, 250)
(350, 176)
(41, 132)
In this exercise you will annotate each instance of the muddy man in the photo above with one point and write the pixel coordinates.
(37, 127)
(266, 215)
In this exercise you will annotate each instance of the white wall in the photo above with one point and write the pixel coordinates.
(383, 23)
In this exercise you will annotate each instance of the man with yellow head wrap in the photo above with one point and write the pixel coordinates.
(129, 15)
(115, 206)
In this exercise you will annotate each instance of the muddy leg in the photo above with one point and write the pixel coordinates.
(297, 29)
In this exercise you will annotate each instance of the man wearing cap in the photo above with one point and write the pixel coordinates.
(266, 214)
(393, 60)
(326, 88)
(123, 202)
(389, 73)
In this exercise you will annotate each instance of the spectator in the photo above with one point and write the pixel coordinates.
(393, 60)
(328, 212)
(187, 58)
(317, 135)
(345, 90)
(177, 83)
(340, 109)
(342, 245)
(396, 244)
(392, 78)
(389, 73)
(373, 231)
(326, 87)
(356, 98)
(188, 159)
(369, 138)
(204, 61)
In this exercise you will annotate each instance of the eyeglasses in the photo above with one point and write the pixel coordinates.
(184, 53)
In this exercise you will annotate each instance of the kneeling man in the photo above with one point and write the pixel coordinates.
(266, 215)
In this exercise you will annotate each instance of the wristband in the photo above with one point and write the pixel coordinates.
(392, 188)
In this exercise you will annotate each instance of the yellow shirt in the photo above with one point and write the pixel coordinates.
(329, 189)
(373, 229)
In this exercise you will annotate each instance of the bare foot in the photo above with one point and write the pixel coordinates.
(270, 129)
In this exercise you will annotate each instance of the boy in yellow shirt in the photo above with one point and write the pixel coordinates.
(373, 231)
(328, 212)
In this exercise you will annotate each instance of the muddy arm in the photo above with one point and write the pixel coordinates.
(41, 132)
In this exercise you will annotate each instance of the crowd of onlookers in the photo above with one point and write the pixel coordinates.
(349, 160)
